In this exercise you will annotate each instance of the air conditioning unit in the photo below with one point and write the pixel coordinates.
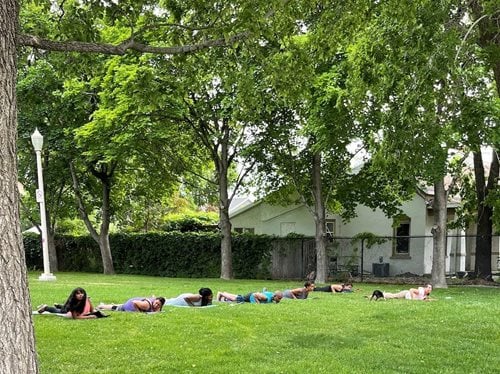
(380, 270)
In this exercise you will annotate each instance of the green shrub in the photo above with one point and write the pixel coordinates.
(190, 222)
(167, 254)
(33, 251)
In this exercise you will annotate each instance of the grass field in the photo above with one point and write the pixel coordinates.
(459, 332)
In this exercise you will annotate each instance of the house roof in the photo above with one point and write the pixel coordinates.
(424, 191)
(240, 204)
(427, 193)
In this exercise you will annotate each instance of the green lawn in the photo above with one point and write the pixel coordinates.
(328, 333)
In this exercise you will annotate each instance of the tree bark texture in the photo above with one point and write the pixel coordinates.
(489, 40)
(439, 232)
(107, 259)
(222, 166)
(484, 232)
(54, 263)
(17, 340)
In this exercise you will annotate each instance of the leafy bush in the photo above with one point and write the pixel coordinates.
(170, 254)
(33, 251)
(191, 222)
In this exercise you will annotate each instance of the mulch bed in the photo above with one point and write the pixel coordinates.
(413, 279)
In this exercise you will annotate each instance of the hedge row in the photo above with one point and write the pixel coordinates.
(169, 254)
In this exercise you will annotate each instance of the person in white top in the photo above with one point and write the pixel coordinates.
(420, 293)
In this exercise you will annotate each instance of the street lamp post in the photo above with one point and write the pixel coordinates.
(37, 140)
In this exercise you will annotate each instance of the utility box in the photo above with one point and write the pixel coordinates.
(380, 270)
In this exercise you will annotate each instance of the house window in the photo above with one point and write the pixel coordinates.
(241, 230)
(330, 227)
(401, 242)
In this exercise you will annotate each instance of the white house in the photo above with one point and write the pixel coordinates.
(407, 248)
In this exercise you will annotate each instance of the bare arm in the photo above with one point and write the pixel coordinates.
(296, 291)
(141, 305)
(84, 316)
(191, 299)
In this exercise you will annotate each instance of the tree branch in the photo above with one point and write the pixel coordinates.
(122, 48)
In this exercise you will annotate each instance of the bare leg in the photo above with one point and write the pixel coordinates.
(399, 295)
(225, 296)
(108, 306)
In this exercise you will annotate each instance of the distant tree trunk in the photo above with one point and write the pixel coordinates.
(54, 265)
(439, 231)
(107, 259)
(222, 166)
(484, 233)
(319, 219)
(17, 339)
(101, 238)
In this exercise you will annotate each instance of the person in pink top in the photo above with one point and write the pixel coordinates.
(421, 293)
(78, 306)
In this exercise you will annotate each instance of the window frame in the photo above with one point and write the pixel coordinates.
(401, 236)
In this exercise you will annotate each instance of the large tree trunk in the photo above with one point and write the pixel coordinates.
(484, 233)
(439, 231)
(17, 339)
(226, 251)
(490, 42)
(319, 220)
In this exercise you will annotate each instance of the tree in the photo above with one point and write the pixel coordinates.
(402, 85)
(222, 114)
(17, 346)
(486, 17)
(77, 20)
(41, 106)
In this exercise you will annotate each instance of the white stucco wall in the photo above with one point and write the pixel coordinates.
(376, 222)
(270, 219)
(274, 220)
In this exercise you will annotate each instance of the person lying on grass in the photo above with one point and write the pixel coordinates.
(202, 298)
(420, 293)
(137, 304)
(77, 306)
(265, 297)
(299, 293)
(344, 287)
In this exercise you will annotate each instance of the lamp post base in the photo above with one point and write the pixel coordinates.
(47, 277)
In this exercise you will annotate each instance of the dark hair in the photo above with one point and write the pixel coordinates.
(377, 294)
(74, 305)
(205, 294)
(161, 300)
(308, 283)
